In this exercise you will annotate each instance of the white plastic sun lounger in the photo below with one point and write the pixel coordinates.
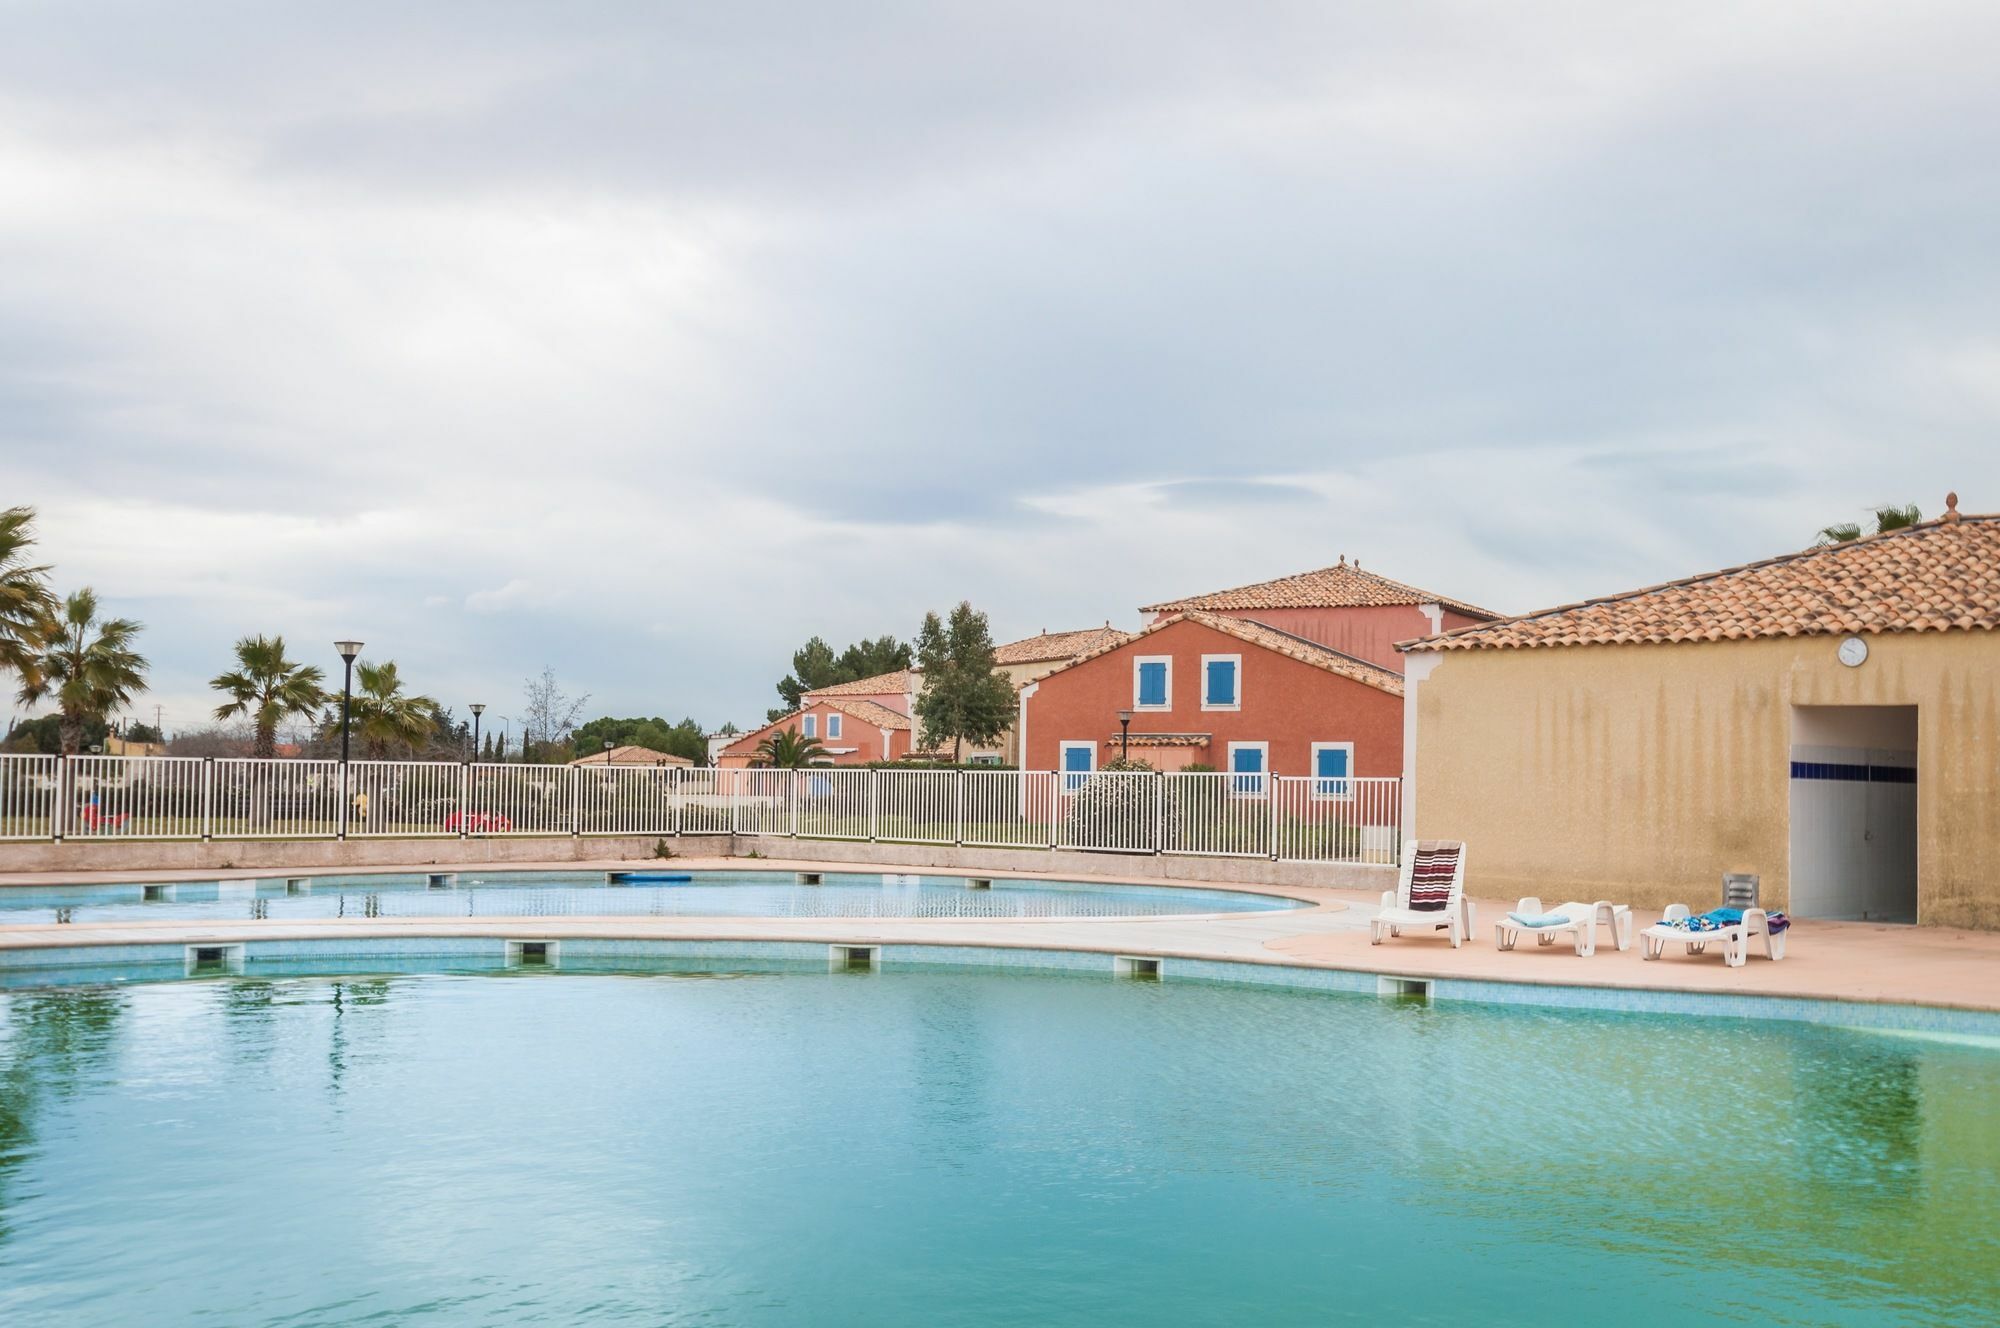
(1579, 921)
(1734, 940)
(1429, 895)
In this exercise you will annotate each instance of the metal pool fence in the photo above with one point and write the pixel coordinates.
(1208, 814)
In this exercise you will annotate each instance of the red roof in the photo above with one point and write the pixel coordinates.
(1937, 576)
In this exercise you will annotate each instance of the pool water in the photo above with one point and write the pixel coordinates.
(917, 1148)
(476, 893)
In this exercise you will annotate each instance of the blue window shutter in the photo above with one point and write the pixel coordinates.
(1152, 683)
(1247, 760)
(1332, 763)
(1076, 758)
(1222, 682)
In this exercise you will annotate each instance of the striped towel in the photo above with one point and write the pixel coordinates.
(1431, 871)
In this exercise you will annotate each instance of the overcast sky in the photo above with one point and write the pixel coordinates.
(645, 340)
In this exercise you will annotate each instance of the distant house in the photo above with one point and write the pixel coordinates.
(630, 755)
(1355, 612)
(842, 716)
(1827, 720)
(1224, 692)
(895, 691)
(854, 730)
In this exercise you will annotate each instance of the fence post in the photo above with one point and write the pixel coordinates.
(464, 798)
(207, 798)
(59, 813)
(874, 802)
(576, 800)
(959, 813)
(1055, 807)
(674, 800)
(1271, 796)
(793, 806)
(1160, 813)
(340, 812)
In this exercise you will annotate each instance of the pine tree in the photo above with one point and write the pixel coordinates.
(964, 698)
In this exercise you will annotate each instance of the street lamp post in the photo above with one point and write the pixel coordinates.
(477, 708)
(348, 650)
(607, 751)
(1124, 735)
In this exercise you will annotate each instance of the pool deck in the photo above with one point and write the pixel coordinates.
(1846, 961)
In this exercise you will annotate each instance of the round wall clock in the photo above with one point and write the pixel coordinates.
(1853, 652)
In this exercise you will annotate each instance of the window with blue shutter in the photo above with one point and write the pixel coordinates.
(1246, 767)
(1333, 766)
(809, 726)
(833, 727)
(1218, 673)
(1151, 688)
(1078, 760)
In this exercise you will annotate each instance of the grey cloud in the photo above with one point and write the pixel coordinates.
(908, 303)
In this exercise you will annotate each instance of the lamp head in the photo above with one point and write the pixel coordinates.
(348, 649)
(477, 707)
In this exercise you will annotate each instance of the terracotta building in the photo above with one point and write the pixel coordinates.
(1204, 689)
(1355, 612)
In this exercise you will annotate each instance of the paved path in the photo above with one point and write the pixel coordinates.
(1827, 960)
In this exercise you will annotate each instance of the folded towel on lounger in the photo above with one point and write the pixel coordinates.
(1545, 920)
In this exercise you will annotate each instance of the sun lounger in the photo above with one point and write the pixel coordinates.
(1579, 921)
(1729, 929)
(1429, 895)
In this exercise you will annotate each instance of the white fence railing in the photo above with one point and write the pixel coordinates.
(1289, 818)
(263, 799)
(28, 787)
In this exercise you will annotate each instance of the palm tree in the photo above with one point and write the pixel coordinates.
(385, 715)
(1887, 518)
(87, 665)
(25, 601)
(270, 687)
(788, 750)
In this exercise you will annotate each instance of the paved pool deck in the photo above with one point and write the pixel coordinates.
(1846, 961)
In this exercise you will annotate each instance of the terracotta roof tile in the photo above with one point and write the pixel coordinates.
(1049, 647)
(1939, 576)
(631, 755)
(1342, 586)
(1272, 639)
(898, 683)
(869, 712)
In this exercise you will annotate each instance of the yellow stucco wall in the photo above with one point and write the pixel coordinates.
(1642, 773)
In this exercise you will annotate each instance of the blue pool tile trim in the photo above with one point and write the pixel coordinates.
(60, 965)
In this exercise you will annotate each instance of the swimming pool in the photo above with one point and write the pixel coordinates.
(919, 1148)
(497, 893)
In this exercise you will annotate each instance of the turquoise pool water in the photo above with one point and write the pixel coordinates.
(476, 893)
(970, 1150)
